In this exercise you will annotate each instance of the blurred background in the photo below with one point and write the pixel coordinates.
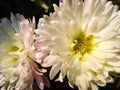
(38, 8)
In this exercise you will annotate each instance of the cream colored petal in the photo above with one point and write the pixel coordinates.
(54, 70)
(93, 86)
(50, 60)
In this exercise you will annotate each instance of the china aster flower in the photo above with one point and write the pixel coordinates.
(84, 42)
(20, 55)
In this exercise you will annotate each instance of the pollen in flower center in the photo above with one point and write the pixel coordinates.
(9, 47)
(82, 44)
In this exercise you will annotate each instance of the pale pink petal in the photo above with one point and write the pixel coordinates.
(40, 56)
(39, 46)
(61, 1)
(104, 1)
(46, 81)
(39, 81)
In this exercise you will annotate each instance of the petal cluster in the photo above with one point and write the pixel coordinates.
(20, 57)
(84, 42)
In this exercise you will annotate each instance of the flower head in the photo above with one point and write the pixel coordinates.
(84, 39)
(20, 56)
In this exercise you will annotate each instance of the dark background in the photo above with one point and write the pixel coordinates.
(30, 9)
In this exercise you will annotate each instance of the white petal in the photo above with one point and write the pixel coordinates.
(50, 60)
(82, 83)
(54, 70)
(107, 45)
(70, 4)
(114, 62)
(103, 55)
(60, 78)
(116, 69)
(105, 35)
(7, 27)
(71, 84)
(92, 25)
(100, 80)
(88, 7)
(15, 22)
(93, 86)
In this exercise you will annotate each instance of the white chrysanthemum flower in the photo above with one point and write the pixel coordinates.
(84, 38)
(19, 53)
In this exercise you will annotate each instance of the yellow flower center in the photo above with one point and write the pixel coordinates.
(10, 47)
(82, 44)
